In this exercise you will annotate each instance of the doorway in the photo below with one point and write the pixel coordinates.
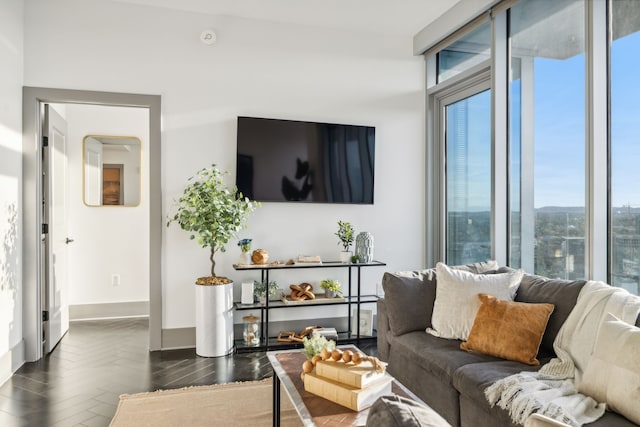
(33, 302)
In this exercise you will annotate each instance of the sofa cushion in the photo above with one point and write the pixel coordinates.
(472, 379)
(409, 296)
(456, 302)
(478, 267)
(613, 373)
(398, 411)
(440, 357)
(563, 294)
(507, 329)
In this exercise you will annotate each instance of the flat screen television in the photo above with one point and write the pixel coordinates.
(294, 161)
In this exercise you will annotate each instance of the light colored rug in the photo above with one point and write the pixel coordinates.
(235, 404)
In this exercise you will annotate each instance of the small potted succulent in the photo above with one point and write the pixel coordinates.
(345, 234)
(331, 288)
(260, 290)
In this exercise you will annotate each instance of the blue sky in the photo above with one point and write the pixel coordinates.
(625, 123)
(559, 133)
(560, 128)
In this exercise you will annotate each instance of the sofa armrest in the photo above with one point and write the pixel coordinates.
(383, 330)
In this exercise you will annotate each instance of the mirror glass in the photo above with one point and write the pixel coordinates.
(111, 170)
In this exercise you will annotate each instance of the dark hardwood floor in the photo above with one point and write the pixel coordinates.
(79, 383)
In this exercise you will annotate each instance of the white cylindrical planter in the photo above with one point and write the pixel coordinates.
(214, 320)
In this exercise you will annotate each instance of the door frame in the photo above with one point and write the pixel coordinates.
(32, 99)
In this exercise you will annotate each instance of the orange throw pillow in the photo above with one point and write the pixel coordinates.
(509, 330)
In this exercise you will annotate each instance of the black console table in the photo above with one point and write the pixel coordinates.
(350, 298)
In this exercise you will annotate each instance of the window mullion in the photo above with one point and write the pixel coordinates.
(500, 156)
(597, 204)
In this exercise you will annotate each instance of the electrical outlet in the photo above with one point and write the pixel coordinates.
(115, 280)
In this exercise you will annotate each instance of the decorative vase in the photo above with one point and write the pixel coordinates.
(329, 293)
(245, 259)
(364, 247)
(214, 320)
(345, 257)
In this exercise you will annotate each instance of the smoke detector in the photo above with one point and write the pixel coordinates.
(208, 37)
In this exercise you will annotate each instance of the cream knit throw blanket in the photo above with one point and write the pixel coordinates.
(552, 391)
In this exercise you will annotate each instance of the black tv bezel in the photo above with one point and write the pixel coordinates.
(373, 163)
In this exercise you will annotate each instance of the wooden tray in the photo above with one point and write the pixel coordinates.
(318, 300)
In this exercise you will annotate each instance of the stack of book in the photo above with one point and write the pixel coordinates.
(309, 259)
(353, 386)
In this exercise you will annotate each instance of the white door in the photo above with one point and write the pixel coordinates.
(56, 316)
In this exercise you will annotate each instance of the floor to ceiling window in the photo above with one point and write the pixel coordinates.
(465, 108)
(560, 128)
(547, 112)
(468, 183)
(625, 147)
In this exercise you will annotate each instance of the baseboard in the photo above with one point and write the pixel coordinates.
(11, 361)
(186, 337)
(178, 338)
(109, 310)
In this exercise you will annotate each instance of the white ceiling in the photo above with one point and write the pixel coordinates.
(393, 17)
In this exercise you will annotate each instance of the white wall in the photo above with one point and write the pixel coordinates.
(11, 58)
(109, 239)
(256, 68)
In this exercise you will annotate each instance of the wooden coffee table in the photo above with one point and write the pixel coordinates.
(314, 410)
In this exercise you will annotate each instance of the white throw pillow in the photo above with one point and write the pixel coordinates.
(457, 303)
(613, 373)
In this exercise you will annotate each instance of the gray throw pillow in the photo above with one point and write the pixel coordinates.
(478, 267)
(390, 411)
(563, 294)
(409, 297)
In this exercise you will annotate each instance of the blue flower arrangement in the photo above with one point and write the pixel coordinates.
(245, 245)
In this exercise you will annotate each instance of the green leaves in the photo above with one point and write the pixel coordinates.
(209, 210)
(345, 234)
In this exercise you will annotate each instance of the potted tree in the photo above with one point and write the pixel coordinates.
(345, 234)
(213, 214)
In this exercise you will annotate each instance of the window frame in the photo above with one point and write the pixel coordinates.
(598, 237)
(471, 82)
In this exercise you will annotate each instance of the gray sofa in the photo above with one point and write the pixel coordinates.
(450, 380)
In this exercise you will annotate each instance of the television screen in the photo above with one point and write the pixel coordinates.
(293, 161)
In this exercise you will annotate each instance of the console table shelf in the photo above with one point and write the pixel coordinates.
(352, 297)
